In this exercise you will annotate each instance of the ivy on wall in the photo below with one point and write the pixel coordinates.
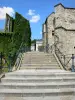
(22, 31)
(9, 23)
(19, 33)
(5, 40)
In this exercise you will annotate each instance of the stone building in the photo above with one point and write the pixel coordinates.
(59, 30)
(48, 28)
(33, 47)
(9, 24)
(60, 27)
(38, 44)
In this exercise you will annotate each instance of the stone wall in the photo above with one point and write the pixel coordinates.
(45, 36)
(38, 44)
(66, 41)
(65, 28)
(50, 28)
(62, 22)
(65, 17)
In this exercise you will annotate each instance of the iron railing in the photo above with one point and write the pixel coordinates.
(19, 56)
(67, 61)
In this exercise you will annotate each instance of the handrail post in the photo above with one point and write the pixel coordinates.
(10, 67)
(64, 60)
(1, 62)
(73, 63)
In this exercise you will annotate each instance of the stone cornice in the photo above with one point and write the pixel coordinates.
(49, 16)
(65, 28)
(63, 6)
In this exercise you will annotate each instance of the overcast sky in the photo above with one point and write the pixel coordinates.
(34, 10)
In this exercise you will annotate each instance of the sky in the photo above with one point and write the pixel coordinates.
(36, 11)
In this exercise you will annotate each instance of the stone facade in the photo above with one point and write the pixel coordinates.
(44, 36)
(59, 33)
(48, 28)
(62, 22)
(65, 28)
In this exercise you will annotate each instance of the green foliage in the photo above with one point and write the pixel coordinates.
(9, 23)
(5, 41)
(33, 41)
(18, 36)
(22, 31)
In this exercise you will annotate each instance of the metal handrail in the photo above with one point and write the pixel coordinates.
(64, 59)
(19, 55)
(18, 61)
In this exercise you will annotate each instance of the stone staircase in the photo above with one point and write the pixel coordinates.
(36, 83)
(39, 60)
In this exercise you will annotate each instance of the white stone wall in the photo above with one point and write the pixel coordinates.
(64, 28)
(66, 41)
(45, 36)
(59, 16)
(38, 43)
(50, 28)
(32, 47)
(65, 18)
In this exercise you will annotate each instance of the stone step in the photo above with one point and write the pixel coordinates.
(39, 56)
(36, 92)
(45, 54)
(37, 85)
(56, 97)
(49, 63)
(36, 75)
(43, 57)
(42, 71)
(36, 59)
(40, 80)
(39, 59)
(39, 67)
(44, 61)
(39, 64)
(34, 72)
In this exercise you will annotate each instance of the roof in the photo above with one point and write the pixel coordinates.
(49, 16)
(63, 6)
